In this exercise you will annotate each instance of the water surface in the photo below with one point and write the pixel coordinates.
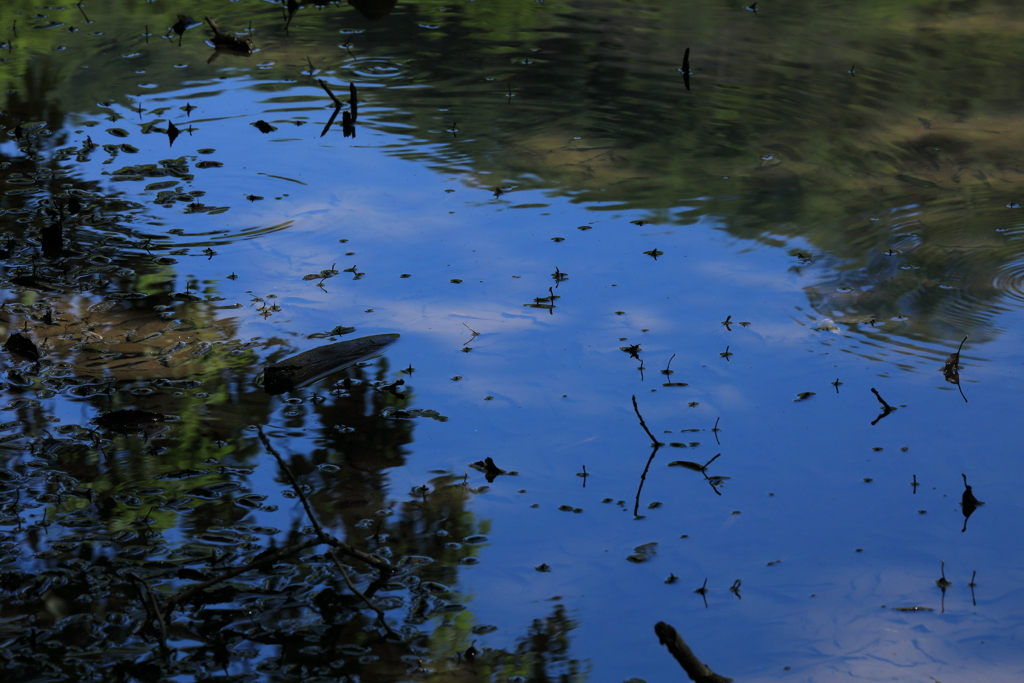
(553, 223)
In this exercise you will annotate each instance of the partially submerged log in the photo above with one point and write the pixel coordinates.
(315, 364)
(698, 671)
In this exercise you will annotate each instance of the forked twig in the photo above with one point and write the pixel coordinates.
(261, 561)
(352, 587)
(322, 537)
(291, 480)
(154, 607)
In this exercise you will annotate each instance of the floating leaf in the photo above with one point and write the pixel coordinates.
(643, 553)
(803, 396)
(264, 127)
(968, 502)
(951, 369)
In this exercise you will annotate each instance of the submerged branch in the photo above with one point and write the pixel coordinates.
(291, 480)
(359, 593)
(271, 557)
(263, 560)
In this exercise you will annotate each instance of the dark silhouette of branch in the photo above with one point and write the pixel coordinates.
(263, 560)
(291, 480)
(886, 408)
(155, 613)
(698, 671)
(643, 424)
(643, 478)
(322, 537)
(352, 587)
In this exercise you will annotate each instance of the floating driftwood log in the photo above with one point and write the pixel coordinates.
(315, 364)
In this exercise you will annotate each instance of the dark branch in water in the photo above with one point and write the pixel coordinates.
(337, 102)
(271, 557)
(322, 537)
(886, 408)
(643, 424)
(155, 614)
(291, 480)
(263, 560)
(698, 671)
(643, 478)
(356, 591)
(655, 445)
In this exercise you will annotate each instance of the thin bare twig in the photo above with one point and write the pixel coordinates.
(352, 587)
(885, 406)
(337, 102)
(263, 560)
(644, 424)
(291, 480)
(157, 615)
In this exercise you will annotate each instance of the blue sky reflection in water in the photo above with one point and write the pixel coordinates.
(862, 224)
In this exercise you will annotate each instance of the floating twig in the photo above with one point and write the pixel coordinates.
(703, 592)
(337, 102)
(475, 334)
(886, 408)
(643, 424)
(943, 584)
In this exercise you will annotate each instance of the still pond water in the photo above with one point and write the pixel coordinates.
(765, 246)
